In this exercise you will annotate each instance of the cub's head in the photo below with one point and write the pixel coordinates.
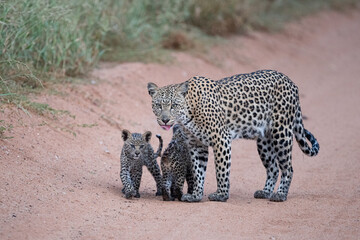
(168, 103)
(178, 133)
(135, 143)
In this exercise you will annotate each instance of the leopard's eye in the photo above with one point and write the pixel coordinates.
(141, 146)
(158, 105)
(132, 145)
(174, 105)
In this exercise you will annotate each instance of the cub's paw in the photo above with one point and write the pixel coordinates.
(219, 197)
(177, 194)
(278, 197)
(158, 192)
(262, 194)
(168, 198)
(131, 194)
(191, 198)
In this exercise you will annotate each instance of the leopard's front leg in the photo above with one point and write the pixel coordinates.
(199, 157)
(222, 155)
(154, 169)
(166, 187)
(127, 182)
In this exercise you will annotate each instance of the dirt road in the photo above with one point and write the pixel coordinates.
(59, 178)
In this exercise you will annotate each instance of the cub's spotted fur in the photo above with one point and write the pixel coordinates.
(136, 153)
(176, 166)
(262, 105)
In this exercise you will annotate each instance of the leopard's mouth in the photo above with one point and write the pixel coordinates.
(167, 127)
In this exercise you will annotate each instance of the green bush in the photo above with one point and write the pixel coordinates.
(69, 37)
(52, 39)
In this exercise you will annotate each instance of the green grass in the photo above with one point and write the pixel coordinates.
(46, 41)
(43, 42)
(4, 129)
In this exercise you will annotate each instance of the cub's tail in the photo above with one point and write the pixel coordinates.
(301, 135)
(158, 152)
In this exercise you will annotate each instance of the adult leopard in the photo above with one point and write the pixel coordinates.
(262, 105)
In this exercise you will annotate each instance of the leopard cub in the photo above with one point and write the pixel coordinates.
(176, 166)
(136, 153)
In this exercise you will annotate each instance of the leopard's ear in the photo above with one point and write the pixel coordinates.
(152, 88)
(147, 136)
(125, 134)
(183, 88)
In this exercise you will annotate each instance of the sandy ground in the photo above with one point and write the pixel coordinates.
(60, 175)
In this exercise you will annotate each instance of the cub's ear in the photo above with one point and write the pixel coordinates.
(152, 88)
(147, 136)
(125, 134)
(183, 88)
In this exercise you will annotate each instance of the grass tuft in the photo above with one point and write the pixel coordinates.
(4, 128)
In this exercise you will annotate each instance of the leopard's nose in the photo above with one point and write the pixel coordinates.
(165, 120)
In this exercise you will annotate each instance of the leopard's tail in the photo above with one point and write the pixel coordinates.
(158, 152)
(302, 135)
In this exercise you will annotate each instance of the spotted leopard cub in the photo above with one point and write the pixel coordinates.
(136, 153)
(176, 166)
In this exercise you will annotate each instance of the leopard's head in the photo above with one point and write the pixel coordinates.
(169, 103)
(135, 143)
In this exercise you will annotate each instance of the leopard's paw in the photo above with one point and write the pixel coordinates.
(262, 194)
(191, 198)
(278, 197)
(219, 197)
